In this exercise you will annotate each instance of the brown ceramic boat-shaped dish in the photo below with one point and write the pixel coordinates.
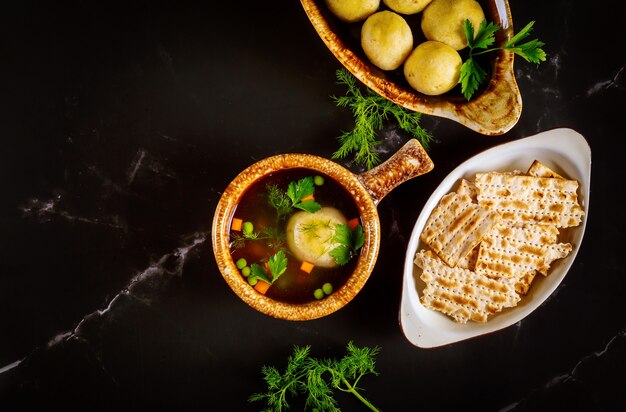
(365, 189)
(493, 110)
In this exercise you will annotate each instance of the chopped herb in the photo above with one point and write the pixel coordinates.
(278, 200)
(273, 237)
(370, 111)
(350, 241)
(284, 202)
(472, 75)
(303, 188)
(277, 265)
(317, 378)
(313, 227)
(258, 272)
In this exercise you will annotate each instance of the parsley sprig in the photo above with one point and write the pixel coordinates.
(277, 265)
(472, 75)
(350, 241)
(317, 378)
(303, 188)
(284, 202)
(371, 111)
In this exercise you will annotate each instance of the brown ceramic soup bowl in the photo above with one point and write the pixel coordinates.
(365, 190)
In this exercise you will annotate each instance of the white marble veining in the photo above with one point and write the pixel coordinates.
(135, 165)
(144, 287)
(46, 209)
(617, 82)
(572, 374)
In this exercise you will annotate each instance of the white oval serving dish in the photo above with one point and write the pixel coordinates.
(563, 150)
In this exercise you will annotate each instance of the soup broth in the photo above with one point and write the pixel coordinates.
(259, 234)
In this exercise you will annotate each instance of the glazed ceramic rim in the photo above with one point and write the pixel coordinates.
(493, 112)
(225, 211)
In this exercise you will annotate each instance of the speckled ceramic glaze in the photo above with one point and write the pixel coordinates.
(366, 190)
(492, 112)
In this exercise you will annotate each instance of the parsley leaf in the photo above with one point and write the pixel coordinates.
(284, 202)
(343, 234)
(485, 36)
(258, 271)
(277, 264)
(303, 188)
(531, 51)
(350, 241)
(341, 254)
(472, 75)
(310, 206)
(521, 35)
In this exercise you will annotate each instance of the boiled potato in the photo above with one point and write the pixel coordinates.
(386, 39)
(352, 11)
(442, 20)
(310, 236)
(433, 68)
(406, 6)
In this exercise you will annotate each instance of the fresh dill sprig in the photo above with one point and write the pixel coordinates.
(297, 196)
(370, 111)
(312, 227)
(317, 378)
(279, 200)
(273, 237)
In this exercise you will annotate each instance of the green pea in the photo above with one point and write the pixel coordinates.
(247, 228)
(327, 288)
(318, 180)
(318, 294)
(252, 281)
(241, 263)
(245, 271)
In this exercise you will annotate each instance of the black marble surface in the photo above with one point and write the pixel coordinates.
(122, 122)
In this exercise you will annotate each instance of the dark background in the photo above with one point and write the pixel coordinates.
(122, 122)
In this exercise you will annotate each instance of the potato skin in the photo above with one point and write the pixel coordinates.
(386, 39)
(352, 11)
(407, 6)
(442, 20)
(433, 68)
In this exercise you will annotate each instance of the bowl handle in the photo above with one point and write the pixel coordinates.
(408, 162)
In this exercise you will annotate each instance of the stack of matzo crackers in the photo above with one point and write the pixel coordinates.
(487, 241)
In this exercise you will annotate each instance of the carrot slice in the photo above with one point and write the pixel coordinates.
(236, 224)
(309, 197)
(306, 266)
(353, 223)
(262, 286)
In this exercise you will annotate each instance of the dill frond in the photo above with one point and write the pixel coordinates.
(279, 200)
(317, 379)
(370, 112)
